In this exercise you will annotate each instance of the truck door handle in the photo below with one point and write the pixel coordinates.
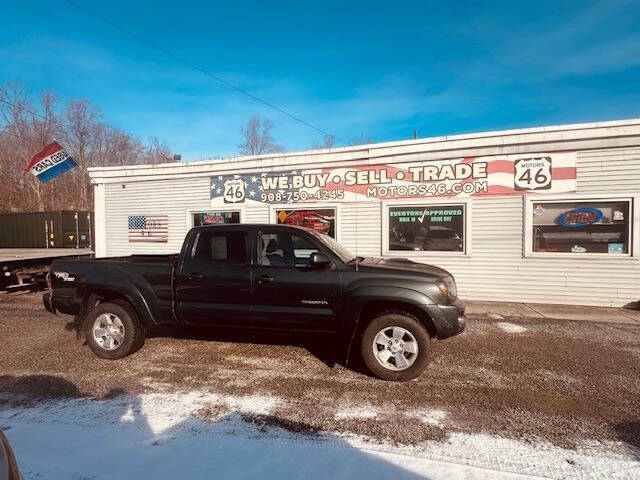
(194, 276)
(265, 279)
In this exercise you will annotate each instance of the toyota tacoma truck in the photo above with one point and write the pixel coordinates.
(275, 277)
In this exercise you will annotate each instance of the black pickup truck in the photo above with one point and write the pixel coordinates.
(264, 277)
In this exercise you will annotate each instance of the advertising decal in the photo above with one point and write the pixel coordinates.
(463, 177)
(50, 162)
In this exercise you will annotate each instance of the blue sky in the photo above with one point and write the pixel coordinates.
(355, 69)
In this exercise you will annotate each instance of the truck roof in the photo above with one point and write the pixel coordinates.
(251, 226)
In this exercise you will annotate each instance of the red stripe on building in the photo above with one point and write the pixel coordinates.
(563, 173)
(500, 166)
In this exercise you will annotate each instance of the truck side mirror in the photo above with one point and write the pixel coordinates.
(319, 260)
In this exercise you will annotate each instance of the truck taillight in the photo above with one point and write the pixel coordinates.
(49, 285)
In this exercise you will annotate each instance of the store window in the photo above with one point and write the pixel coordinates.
(321, 220)
(209, 218)
(581, 227)
(427, 228)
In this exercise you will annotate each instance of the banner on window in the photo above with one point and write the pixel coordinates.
(462, 177)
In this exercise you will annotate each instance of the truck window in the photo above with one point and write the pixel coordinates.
(302, 250)
(274, 250)
(227, 247)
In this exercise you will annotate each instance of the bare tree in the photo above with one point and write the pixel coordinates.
(258, 138)
(26, 128)
(328, 141)
(157, 152)
(363, 140)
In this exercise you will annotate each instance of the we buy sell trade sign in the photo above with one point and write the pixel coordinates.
(463, 177)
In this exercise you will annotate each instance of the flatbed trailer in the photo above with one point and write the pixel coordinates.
(27, 267)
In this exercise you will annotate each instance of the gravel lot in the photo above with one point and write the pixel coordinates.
(565, 382)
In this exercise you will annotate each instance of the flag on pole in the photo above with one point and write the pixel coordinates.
(50, 162)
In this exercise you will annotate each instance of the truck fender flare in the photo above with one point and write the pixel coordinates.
(360, 296)
(129, 291)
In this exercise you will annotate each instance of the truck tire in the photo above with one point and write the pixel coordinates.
(113, 330)
(395, 346)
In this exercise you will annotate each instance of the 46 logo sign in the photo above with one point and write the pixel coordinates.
(532, 174)
(234, 191)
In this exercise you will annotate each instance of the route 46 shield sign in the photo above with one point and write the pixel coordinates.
(532, 173)
(234, 191)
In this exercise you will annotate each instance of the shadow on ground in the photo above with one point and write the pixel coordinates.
(629, 432)
(128, 436)
(324, 347)
(34, 387)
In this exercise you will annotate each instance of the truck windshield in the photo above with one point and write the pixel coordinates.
(342, 253)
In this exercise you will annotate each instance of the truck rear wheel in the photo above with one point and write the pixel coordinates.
(113, 331)
(395, 346)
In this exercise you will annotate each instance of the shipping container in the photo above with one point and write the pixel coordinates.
(56, 229)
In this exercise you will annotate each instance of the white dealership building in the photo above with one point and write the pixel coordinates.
(545, 215)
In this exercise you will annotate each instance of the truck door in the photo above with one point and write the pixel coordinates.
(213, 284)
(288, 294)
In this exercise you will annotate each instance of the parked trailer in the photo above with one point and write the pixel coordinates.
(30, 241)
(55, 229)
(27, 267)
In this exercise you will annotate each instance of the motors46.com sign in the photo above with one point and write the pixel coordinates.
(461, 177)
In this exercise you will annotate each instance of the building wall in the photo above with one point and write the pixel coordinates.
(497, 266)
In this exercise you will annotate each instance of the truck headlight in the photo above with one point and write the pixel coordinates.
(448, 287)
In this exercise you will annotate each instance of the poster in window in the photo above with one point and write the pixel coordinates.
(426, 228)
(212, 218)
(321, 220)
(581, 227)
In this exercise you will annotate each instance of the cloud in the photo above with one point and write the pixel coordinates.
(514, 70)
(613, 56)
(596, 38)
(209, 124)
(48, 52)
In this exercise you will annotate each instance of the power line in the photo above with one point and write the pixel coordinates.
(53, 121)
(15, 105)
(200, 69)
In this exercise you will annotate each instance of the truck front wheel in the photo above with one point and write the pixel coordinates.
(395, 346)
(113, 331)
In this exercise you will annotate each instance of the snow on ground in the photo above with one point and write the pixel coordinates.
(357, 412)
(429, 417)
(201, 434)
(510, 327)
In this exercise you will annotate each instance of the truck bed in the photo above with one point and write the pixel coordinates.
(26, 267)
(150, 258)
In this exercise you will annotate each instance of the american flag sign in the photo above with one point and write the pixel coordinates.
(149, 228)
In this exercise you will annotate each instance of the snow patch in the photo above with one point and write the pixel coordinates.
(357, 412)
(161, 436)
(429, 417)
(495, 316)
(510, 327)
(157, 412)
